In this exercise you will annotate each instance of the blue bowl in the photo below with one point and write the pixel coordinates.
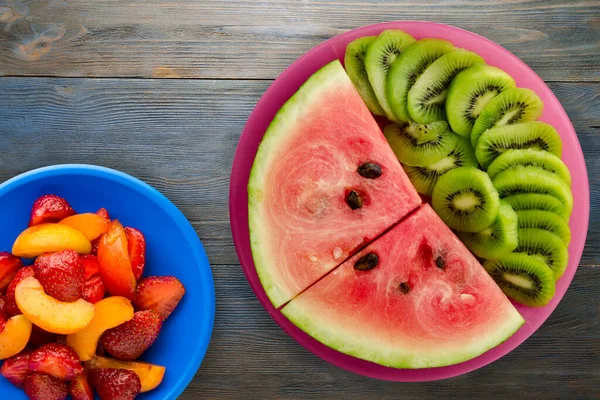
(173, 248)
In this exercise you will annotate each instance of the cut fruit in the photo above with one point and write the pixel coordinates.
(544, 202)
(427, 97)
(534, 135)
(407, 68)
(509, 107)
(499, 239)
(49, 238)
(530, 157)
(381, 53)
(354, 62)
(469, 93)
(426, 303)
(150, 375)
(9, 265)
(114, 263)
(524, 279)
(420, 145)
(306, 177)
(465, 199)
(14, 336)
(549, 221)
(91, 225)
(546, 247)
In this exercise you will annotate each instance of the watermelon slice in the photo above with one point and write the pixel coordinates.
(301, 223)
(427, 303)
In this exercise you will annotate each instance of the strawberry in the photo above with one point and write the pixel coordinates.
(16, 368)
(93, 290)
(115, 384)
(80, 388)
(159, 293)
(103, 213)
(3, 319)
(90, 264)
(3, 305)
(61, 274)
(50, 208)
(9, 265)
(11, 307)
(40, 337)
(57, 360)
(136, 246)
(130, 340)
(95, 244)
(44, 387)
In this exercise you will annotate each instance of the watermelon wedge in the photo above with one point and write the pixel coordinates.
(309, 207)
(426, 302)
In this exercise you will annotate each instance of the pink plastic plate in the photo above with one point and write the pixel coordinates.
(287, 84)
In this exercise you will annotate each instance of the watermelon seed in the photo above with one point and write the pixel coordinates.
(404, 287)
(369, 170)
(440, 262)
(367, 262)
(354, 200)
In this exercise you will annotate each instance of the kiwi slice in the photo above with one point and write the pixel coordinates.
(518, 180)
(381, 53)
(524, 279)
(465, 199)
(546, 247)
(424, 178)
(496, 241)
(543, 202)
(413, 61)
(427, 97)
(527, 157)
(546, 220)
(509, 107)
(355, 67)
(419, 145)
(525, 135)
(469, 93)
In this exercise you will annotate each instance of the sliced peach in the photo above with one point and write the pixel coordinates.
(91, 225)
(114, 263)
(110, 313)
(49, 238)
(150, 375)
(15, 336)
(50, 314)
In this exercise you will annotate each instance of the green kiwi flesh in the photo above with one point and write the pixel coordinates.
(427, 97)
(542, 202)
(354, 61)
(509, 107)
(525, 135)
(381, 53)
(530, 157)
(470, 91)
(546, 247)
(522, 278)
(496, 241)
(465, 199)
(546, 220)
(407, 68)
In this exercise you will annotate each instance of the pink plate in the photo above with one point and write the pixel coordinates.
(287, 84)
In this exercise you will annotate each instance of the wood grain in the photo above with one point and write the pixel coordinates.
(251, 39)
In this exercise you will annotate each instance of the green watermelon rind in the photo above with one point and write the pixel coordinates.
(273, 139)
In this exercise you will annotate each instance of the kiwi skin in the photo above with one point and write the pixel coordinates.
(546, 220)
(354, 62)
(534, 201)
(530, 157)
(534, 285)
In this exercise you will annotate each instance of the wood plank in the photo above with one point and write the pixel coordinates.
(180, 137)
(249, 39)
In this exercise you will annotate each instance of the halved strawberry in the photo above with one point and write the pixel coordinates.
(11, 307)
(3, 304)
(3, 319)
(94, 290)
(61, 274)
(80, 388)
(9, 265)
(50, 208)
(136, 246)
(40, 337)
(16, 368)
(103, 212)
(130, 340)
(44, 387)
(57, 360)
(90, 264)
(159, 293)
(112, 384)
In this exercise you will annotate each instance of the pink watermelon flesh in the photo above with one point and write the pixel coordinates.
(428, 302)
(300, 223)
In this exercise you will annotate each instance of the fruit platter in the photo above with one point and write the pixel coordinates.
(409, 201)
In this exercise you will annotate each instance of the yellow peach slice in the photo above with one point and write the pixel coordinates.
(48, 238)
(110, 312)
(50, 314)
(150, 375)
(14, 336)
(91, 225)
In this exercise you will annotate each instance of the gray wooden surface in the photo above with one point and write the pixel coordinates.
(75, 86)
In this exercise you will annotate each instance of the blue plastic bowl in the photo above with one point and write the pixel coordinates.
(173, 248)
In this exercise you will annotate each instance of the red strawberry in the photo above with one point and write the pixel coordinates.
(40, 337)
(16, 368)
(3, 319)
(9, 265)
(57, 360)
(2, 304)
(61, 274)
(94, 290)
(136, 246)
(103, 212)
(50, 208)
(159, 293)
(11, 307)
(80, 388)
(130, 340)
(95, 244)
(90, 264)
(115, 384)
(44, 387)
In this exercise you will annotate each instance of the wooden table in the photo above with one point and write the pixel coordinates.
(86, 82)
